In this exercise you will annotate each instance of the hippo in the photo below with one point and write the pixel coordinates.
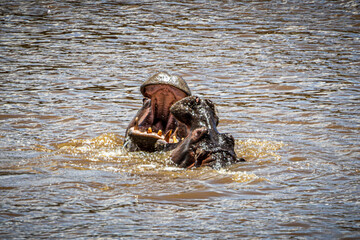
(173, 120)
(204, 145)
(154, 120)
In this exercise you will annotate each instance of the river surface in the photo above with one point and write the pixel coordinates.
(285, 76)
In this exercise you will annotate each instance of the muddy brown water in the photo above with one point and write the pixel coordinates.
(283, 74)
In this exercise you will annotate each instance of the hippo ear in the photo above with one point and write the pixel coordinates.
(211, 105)
(213, 108)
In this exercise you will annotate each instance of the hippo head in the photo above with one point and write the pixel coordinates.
(154, 120)
(204, 145)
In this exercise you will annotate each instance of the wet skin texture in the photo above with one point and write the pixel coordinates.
(204, 145)
(154, 120)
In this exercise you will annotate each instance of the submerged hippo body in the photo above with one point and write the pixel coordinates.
(204, 145)
(154, 120)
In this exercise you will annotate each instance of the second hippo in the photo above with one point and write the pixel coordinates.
(204, 145)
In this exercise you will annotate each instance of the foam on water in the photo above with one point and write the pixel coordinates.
(107, 149)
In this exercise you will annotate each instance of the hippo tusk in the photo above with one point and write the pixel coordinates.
(136, 127)
(167, 135)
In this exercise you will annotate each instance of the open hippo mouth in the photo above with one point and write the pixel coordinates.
(154, 120)
(171, 119)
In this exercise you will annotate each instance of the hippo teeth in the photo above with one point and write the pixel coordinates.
(167, 135)
(176, 131)
(136, 126)
(174, 138)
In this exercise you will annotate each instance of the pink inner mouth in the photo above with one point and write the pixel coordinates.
(156, 122)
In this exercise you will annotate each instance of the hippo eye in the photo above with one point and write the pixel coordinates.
(194, 101)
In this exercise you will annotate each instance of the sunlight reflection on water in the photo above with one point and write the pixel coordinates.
(283, 74)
